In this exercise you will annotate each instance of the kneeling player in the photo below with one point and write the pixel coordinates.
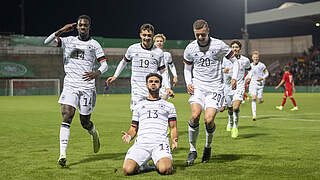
(151, 117)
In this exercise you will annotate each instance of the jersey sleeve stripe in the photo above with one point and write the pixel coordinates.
(134, 123)
(127, 60)
(229, 55)
(102, 58)
(172, 119)
(187, 62)
(161, 67)
(59, 44)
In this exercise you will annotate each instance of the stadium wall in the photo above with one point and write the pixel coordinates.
(46, 62)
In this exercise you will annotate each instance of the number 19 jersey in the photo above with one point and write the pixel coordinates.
(144, 61)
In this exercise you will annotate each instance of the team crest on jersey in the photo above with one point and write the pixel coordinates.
(136, 54)
(161, 105)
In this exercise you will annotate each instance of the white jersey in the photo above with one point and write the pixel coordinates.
(144, 61)
(244, 63)
(79, 57)
(256, 72)
(152, 118)
(207, 63)
(227, 64)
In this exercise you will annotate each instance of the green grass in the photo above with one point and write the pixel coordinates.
(279, 145)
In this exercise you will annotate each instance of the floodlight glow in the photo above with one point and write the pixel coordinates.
(318, 24)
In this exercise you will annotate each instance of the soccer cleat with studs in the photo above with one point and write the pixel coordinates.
(206, 155)
(191, 157)
(234, 133)
(96, 142)
(254, 118)
(279, 107)
(62, 161)
(294, 108)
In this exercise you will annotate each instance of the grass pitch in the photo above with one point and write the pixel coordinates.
(279, 145)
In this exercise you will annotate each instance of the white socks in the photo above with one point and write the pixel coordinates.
(64, 137)
(209, 136)
(193, 135)
(254, 107)
(235, 118)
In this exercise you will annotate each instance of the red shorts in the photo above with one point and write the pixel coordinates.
(288, 92)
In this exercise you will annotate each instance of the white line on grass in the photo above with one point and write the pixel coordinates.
(275, 117)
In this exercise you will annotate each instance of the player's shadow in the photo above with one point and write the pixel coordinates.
(222, 158)
(247, 127)
(251, 135)
(99, 157)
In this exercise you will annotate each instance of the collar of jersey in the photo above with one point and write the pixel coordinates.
(154, 100)
(85, 39)
(146, 48)
(206, 44)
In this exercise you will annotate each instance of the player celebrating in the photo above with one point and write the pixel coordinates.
(256, 78)
(150, 121)
(159, 40)
(146, 58)
(79, 91)
(287, 78)
(206, 87)
(233, 98)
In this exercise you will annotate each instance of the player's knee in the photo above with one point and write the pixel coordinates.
(195, 117)
(67, 116)
(165, 169)
(128, 171)
(87, 125)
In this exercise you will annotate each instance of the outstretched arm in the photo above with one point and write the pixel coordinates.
(119, 69)
(128, 136)
(64, 29)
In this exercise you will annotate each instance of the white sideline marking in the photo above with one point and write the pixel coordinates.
(274, 117)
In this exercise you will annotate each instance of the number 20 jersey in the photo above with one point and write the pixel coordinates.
(207, 64)
(144, 61)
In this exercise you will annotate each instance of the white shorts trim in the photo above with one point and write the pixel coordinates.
(142, 153)
(83, 100)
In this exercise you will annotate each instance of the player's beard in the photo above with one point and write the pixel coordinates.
(154, 93)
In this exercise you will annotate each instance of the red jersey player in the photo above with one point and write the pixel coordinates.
(289, 84)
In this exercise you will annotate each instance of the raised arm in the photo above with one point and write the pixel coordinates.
(128, 136)
(64, 29)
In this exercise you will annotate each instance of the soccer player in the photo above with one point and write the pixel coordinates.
(159, 40)
(150, 121)
(205, 54)
(79, 91)
(146, 58)
(287, 78)
(233, 98)
(256, 78)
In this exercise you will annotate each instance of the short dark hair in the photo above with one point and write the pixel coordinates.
(200, 23)
(236, 42)
(286, 68)
(154, 74)
(148, 27)
(85, 17)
